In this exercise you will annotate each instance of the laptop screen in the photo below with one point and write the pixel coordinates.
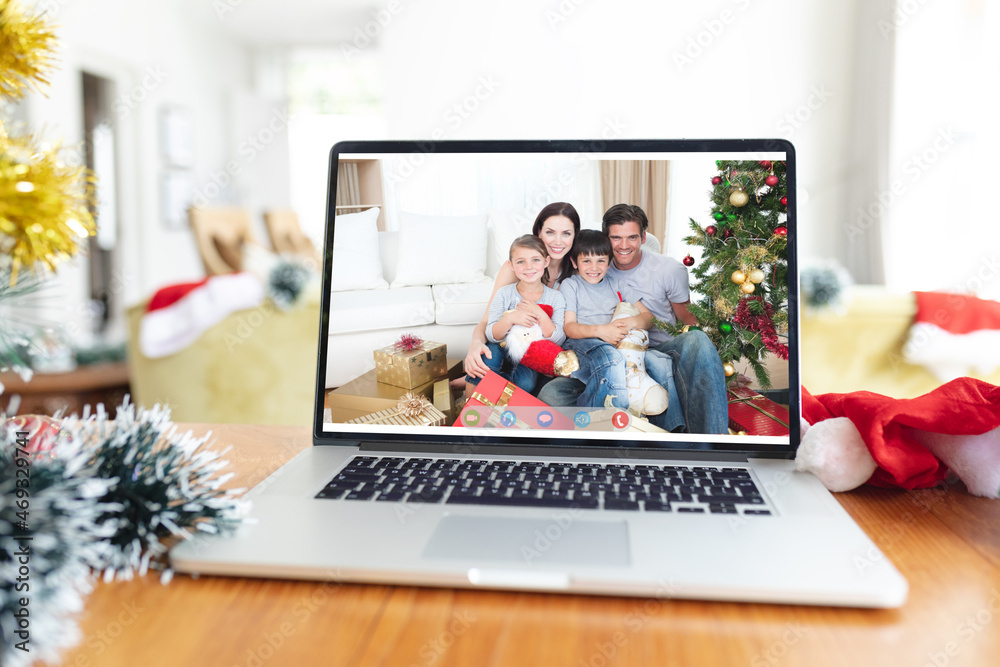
(637, 294)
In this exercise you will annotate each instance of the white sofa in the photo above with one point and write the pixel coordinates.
(364, 320)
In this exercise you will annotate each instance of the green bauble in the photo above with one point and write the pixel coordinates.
(730, 218)
(725, 327)
(718, 216)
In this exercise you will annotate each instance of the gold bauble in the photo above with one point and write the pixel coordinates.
(747, 287)
(738, 277)
(756, 276)
(729, 369)
(739, 198)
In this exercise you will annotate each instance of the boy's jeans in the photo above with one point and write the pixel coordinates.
(699, 384)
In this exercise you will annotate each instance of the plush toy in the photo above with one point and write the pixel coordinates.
(909, 443)
(528, 347)
(645, 395)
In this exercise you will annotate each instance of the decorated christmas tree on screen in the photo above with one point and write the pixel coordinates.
(740, 286)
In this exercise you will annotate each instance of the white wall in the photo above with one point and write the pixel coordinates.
(459, 70)
(157, 55)
(582, 68)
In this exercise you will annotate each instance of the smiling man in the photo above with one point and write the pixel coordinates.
(662, 284)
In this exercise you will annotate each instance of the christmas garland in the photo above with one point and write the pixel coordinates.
(760, 322)
(89, 495)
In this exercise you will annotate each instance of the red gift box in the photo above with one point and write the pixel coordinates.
(756, 414)
(498, 396)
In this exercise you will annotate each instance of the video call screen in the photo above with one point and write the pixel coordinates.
(641, 296)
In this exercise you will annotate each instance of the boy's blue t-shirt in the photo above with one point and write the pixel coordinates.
(595, 304)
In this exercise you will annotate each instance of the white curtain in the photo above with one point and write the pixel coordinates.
(869, 168)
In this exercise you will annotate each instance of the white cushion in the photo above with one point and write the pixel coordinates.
(505, 227)
(367, 310)
(440, 249)
(461, 303)
(356, 261)
(388, 245)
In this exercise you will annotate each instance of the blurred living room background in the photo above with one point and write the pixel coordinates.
(233, 105)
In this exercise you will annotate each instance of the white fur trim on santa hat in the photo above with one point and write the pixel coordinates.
(949, 355)
(172, 328)
(834, 451)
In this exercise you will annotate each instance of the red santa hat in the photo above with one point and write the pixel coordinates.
(178, 314)
(954, 333)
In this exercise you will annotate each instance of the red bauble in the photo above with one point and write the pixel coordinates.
(765, 164)
(771, 180)
(688, 260)
(41, 432)
(710, 230)
(716, 180)
(784, 201)
(726, 234)
(781, 231)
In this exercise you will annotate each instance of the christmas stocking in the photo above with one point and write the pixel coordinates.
(527, 346)
(645, 395)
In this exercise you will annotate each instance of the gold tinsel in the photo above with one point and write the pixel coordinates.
(27, 43)
(723, 309)
(44, 204)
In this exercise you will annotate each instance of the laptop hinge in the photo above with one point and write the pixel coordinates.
(617, 453)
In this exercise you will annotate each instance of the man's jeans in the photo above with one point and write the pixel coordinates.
(700, 381)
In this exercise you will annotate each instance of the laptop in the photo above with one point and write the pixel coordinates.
(509, 492)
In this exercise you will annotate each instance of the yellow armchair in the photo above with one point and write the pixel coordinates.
(257, 366)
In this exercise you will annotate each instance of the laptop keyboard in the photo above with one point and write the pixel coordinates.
(650, 488)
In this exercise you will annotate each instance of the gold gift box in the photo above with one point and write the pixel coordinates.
(411, 368)
(365, 394)
(430, 416)
(444, 400)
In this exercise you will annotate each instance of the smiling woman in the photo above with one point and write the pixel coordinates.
(557, 226)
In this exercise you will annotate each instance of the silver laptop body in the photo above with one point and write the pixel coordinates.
(796, 545)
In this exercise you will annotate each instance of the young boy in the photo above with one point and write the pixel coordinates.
(591, 297)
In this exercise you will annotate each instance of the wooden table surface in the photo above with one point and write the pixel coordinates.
(944, 541)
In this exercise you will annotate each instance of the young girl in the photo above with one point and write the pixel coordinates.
(557, 225)
(519, 304)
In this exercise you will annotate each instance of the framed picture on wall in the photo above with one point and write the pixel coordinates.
(176, 195)
(177, 144)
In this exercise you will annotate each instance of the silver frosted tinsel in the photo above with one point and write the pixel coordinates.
(64, 522)
(287, 280)
(107, 496)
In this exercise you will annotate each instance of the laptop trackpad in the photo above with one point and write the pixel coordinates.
(562, 539)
